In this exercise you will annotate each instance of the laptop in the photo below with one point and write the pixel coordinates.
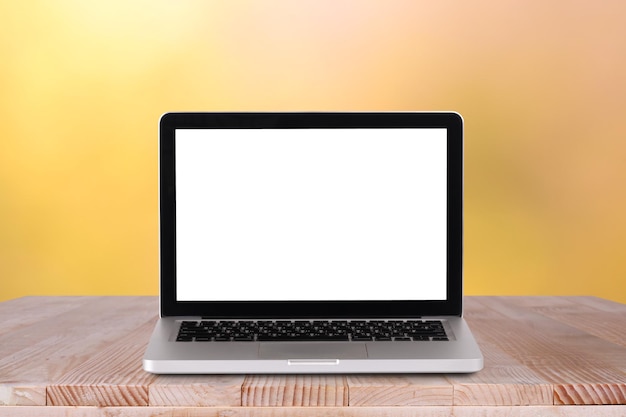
(311, 242)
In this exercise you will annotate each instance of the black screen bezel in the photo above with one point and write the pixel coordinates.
(452, 306)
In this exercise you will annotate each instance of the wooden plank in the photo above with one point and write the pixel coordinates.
(525, 302)
(41, 351)
(504, 380)
(510, 411)
(15, 314)
(198, 391)
(112, 376)
(399, 390)
(606, 321)
(567, 394)
(294, 390)
(18, 334)
(17, 394)
(600, 304)
(25, 311)
(562, 355)
(501, 387)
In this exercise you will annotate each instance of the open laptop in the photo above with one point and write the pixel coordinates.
(311, 243)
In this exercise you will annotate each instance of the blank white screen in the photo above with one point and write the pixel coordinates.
(310, 214)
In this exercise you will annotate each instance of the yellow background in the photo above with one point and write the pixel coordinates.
(541, 85)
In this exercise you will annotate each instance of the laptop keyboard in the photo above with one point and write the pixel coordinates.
(311, 330)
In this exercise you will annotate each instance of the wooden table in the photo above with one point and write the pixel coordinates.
(544, 356)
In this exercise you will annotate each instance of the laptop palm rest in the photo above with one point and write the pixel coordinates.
(312, 350)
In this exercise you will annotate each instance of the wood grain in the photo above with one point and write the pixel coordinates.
(399, 390)
(22, 395)
(69, 340)
(294, 390)
(548, 356)
(562, 355)
(427, 411)
(604, 320)
(111, 377)
(504, 380)
(198, 391)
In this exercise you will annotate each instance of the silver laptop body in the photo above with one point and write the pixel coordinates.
(311, 243)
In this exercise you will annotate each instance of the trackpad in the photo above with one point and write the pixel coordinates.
(312, 350)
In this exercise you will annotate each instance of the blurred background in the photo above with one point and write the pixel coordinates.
(541, 86)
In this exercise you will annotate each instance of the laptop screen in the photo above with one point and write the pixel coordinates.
(311, 214)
